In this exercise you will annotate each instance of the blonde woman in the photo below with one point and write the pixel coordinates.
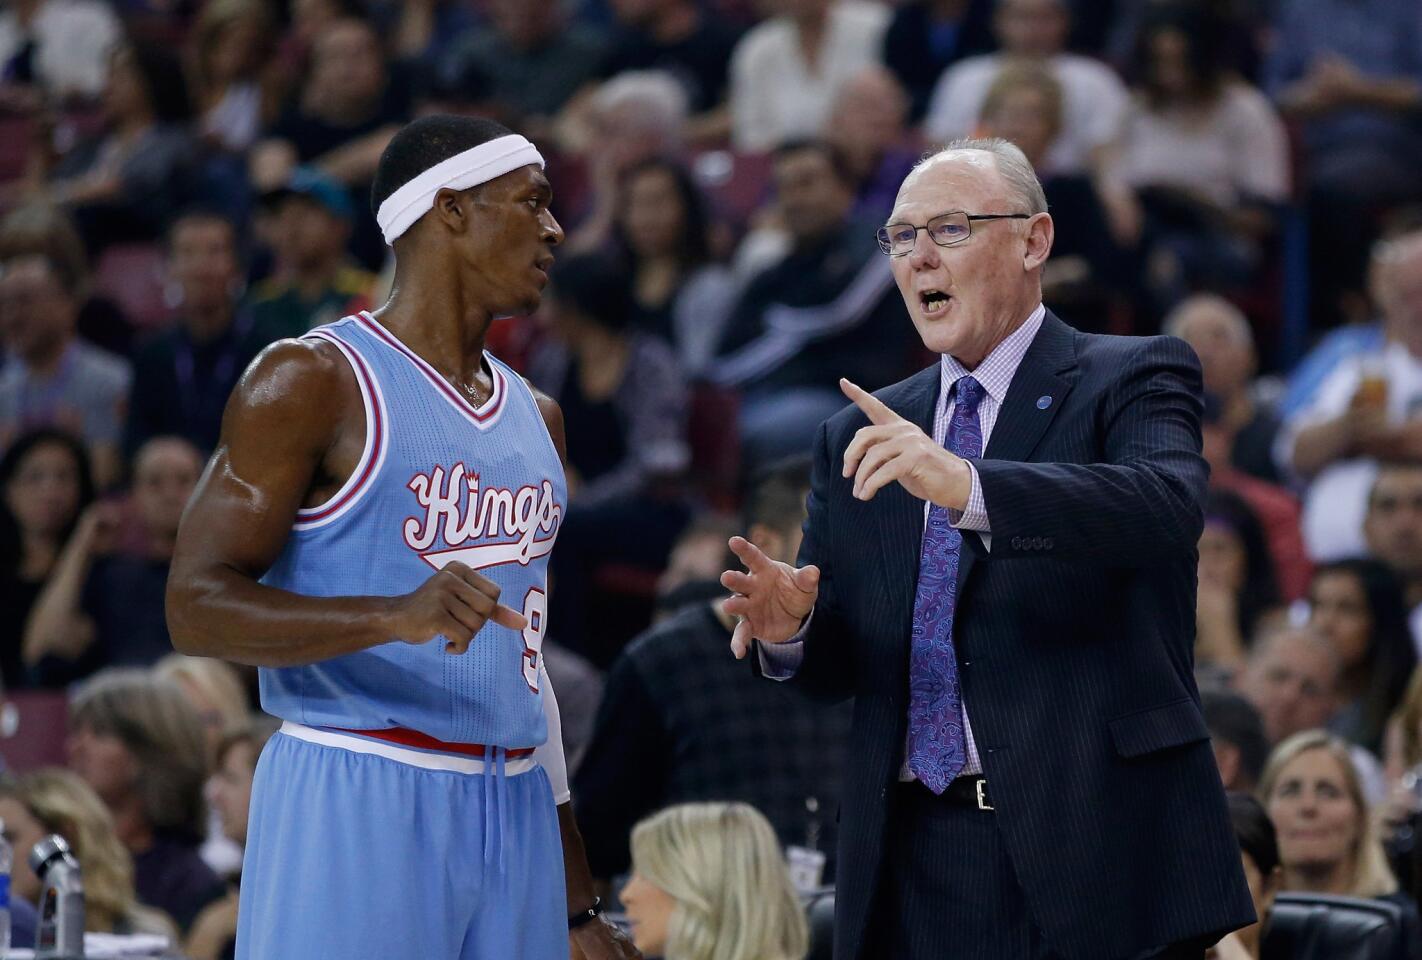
(56, 801)
(709, 883)
(1328, 839)
(136, 740)
(215, 691)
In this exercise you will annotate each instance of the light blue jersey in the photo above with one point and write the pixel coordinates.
(440, 480)
(363, 848)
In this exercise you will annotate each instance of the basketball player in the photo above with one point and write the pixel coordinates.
(373, 532)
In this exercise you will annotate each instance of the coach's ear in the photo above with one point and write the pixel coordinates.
(1039, 236)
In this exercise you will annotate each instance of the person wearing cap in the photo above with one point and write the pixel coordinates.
(373, 534)
(314, 280)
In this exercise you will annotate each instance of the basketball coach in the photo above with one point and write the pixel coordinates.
(999, 566)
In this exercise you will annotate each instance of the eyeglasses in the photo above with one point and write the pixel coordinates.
(946, 229)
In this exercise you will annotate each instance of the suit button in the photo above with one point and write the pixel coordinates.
(1017, 543)
(1048, 543)
(1037, 543)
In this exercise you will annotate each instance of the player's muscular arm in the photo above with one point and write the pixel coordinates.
(281, 436)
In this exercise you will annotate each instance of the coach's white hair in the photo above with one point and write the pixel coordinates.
(722, 865)
(1011, 162)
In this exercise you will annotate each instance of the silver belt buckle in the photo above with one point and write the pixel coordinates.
(982, 795)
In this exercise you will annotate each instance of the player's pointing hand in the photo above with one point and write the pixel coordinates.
(454, 603)
(893, 449)
(772, 598)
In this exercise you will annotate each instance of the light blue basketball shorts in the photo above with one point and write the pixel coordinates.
(359, 849)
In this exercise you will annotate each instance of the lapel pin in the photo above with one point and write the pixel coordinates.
(1043, 403)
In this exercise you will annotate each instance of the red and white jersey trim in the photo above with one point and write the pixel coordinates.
(482, 417)
(450, 762)
(377, 441)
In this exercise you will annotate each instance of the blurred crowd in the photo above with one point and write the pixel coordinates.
(182, 182)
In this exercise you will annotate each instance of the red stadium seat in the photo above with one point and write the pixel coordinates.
(131, 274)
(33, 727)
(736, 184)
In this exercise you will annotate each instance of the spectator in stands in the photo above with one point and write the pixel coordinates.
(786, 72)
(314, 279)
(1205, 153)
(1350, 72)
(232, 46)
(681, 38)
(1220, 335)
(680, 721)
(1291, 677)
(709, 882)
(214, 691)
(39, 229)
(55, 50)
(1367, 409)
(1089, 277)
(662, 230)
(1238, 586)
(926, 37)
(624, 406)
(1237, 734)
(1341, 345)
(1259, 849)
(529, 58)
(1328, 841)
(214, 932)
(1393, 528)
(45, 485)
(1093, 98)
(1276, 509)
(103, 606)
(867, 125)
(829, 309)
(56, 801)
(629, 120)
(136, 741)
(1358, 606)
(181, 378)
(695, 564)
(126, 183)
(346, 112)
(54, 378)
(1402, 762)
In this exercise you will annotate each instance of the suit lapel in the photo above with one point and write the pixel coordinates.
(899, 514)
(1047, 370)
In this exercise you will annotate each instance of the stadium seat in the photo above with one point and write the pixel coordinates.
(33, 727)
(1317, 927)
(715, 444)
(820, 911)
(16, 135)
(736, 184)
(131, 275)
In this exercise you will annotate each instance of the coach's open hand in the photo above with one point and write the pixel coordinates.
(600, 940)
(772, 598)
(891, 448)
(456, 602)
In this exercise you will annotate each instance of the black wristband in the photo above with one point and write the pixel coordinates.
(587, 916)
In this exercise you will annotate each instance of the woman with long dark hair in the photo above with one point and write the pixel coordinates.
(45, 485)
(662, 232)
(1358, 605)
(1238, 585)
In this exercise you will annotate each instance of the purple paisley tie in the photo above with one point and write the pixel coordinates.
(937, 745)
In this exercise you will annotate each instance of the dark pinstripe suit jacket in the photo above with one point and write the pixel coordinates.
(1074, 638)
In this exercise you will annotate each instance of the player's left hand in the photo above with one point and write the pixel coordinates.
(893, 449)
(600, 940)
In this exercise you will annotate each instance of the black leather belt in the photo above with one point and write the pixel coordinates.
(968, 791)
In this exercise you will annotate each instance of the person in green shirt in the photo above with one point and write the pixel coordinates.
(314, 280)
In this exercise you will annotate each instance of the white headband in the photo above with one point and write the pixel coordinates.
(460, 172)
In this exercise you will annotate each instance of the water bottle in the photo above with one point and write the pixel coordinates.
(6, 860)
